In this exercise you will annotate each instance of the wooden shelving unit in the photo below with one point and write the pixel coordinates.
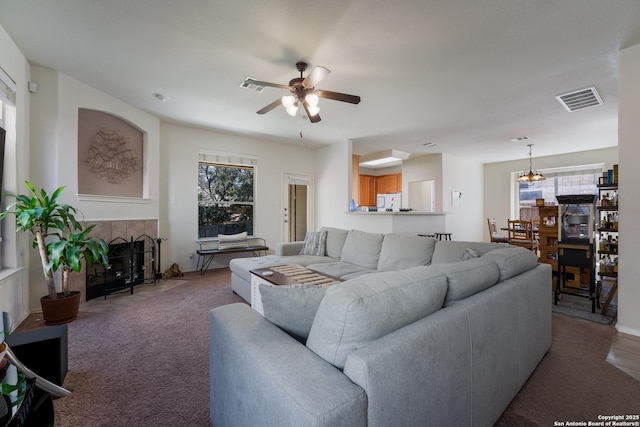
(607, 243)
(548, 234)
(576, 248)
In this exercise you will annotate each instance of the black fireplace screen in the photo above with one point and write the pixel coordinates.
(131, 263)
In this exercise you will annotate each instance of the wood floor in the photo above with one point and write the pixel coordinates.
(625, 354)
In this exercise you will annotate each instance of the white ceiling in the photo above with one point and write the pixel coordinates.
(465, 75)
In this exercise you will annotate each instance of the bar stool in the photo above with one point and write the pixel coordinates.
(443, 236)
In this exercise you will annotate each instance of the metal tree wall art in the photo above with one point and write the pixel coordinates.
(111, 156)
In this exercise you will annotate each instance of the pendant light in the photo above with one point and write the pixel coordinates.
(531, 175)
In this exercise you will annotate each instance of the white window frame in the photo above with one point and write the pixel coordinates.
(549, 173)
(230, 159)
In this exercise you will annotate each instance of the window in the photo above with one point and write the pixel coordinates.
(557, 182)
(8, 163)
(225, 199)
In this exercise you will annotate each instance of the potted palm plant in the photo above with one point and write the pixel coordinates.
(62, 243)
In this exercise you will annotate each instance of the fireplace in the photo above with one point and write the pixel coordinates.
(131, 262)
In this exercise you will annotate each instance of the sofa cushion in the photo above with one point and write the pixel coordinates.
(292, 307)
(314, 243)
(335, 241)
(364, 309)
(232, 241)
(362, 248)
(403, 251)
(356, 274)
(451, 251)
(512, 260)
(338, 268)
(468, 277)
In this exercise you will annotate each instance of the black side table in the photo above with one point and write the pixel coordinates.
(51, 341)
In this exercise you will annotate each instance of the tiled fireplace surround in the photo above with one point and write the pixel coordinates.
(109, 230)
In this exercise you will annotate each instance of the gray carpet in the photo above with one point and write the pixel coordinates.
(145, 362)
(580, 307)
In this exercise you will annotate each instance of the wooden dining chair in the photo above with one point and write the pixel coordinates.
(495, 236)
(536, 228)
(520, 233)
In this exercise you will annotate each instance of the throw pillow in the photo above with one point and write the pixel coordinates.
(468, 254)
(292, 307)
(314, 243)
(232, 241)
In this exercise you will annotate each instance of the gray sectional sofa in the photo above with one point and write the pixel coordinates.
(352, 253)
(434, 333)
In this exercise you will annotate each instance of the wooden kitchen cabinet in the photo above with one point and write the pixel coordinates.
(389, 183)
(368, 190)
(370, 186)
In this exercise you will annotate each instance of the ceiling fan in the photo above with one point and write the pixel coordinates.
(303, 92)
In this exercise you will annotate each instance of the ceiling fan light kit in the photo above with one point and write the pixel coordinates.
(532, 175)
(303, 92)
(290, 104)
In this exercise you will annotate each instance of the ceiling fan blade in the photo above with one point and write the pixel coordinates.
(314, 77)
(336, 96)
(261, 83)
(312, 119)
(271, 106)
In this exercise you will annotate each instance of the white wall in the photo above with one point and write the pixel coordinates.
(451, 174)
(333, 184)
(72, 95)
(181, 146)
(465, 221)
(54, 137)
(14, 280)
(423, 168)
(629, 191)
(500, 186)
(333, 192)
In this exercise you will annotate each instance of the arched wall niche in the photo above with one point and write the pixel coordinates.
(110, 155)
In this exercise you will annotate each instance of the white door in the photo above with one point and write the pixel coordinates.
(422, 196)
(297, 207)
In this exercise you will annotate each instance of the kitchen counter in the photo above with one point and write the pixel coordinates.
(397, 213)
(410, 222)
